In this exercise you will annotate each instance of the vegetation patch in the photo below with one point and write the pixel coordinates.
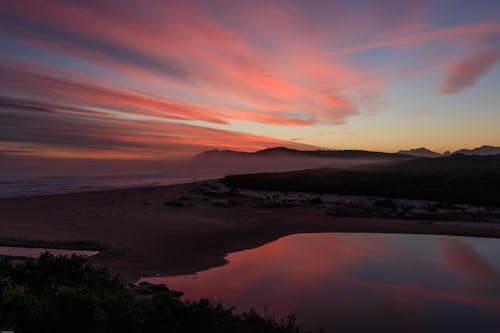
(67, 294)
(452, 186)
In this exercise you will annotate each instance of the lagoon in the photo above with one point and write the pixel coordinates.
(345, 282)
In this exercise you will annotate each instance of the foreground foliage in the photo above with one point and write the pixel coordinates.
(67, 294)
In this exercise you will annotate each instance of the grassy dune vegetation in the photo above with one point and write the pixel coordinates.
(67, 294)
(457, 179)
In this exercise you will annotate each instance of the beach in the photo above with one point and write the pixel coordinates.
(186, 228)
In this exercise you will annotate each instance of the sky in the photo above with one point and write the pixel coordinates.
(140, 80)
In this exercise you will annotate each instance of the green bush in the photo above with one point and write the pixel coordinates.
(67, 294)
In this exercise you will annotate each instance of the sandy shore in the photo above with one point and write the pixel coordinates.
(182, 229)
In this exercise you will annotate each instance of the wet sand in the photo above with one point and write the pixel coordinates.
(182, 229)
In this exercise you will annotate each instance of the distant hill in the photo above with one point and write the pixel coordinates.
(278, 159)
(420, 152)
(483, 150)
(286, 159)
(283, 151)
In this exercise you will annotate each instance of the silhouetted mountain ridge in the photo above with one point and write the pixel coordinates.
(286, 159)
(483, 150)
(349, 153)
(420, 152)
(280, 151)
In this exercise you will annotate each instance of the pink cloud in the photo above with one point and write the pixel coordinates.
(207, 57)
(466, 72)
(61, 114)
(405, 29)
(338, 103)
(417, 38)
(213, 64)
(31, 128)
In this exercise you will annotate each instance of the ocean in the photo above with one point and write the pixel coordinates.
(17, 187)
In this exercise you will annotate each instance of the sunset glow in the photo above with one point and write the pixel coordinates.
(126, 80)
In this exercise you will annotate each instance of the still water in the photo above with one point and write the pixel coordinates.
(345, 282)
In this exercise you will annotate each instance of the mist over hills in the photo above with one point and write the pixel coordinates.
(405, 164)
(282, 158)
(286, 159)
(347, 153)
(283, 151)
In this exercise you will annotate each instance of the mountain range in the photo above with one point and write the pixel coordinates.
(283, 151)
(424, 152)
(400, 155)
(285, 159)
(483, 150)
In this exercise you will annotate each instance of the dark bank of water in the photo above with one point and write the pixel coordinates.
(362, 282)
